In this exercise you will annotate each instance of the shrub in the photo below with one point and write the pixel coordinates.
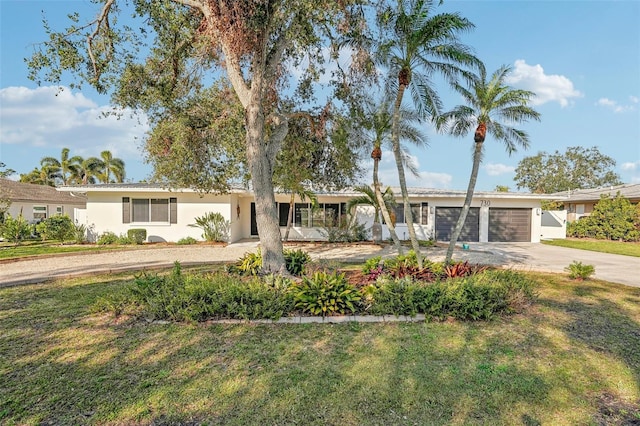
(137, 235)
(295, 260)
(251, 263)
(344, 232)
(107, 238)
(15, 230)
(612, 219)
(579, 271)
(325, 294)
(214, 227)
(124, 239)
(186, 241)
(371, 264)
(477, 297)
(181, 296)
(58, 227)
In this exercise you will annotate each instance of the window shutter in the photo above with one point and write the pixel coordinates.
(126, 210)
(173, 210)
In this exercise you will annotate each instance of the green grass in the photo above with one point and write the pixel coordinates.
(572, 359)
(603, 246)
(37, 248)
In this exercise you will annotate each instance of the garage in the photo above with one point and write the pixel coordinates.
(446, 218)
(509, 225)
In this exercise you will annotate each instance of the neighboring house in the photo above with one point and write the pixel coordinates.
(580, 202)
(167, 214)
(38, 202)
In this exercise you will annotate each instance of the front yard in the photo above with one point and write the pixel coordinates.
(571, 359)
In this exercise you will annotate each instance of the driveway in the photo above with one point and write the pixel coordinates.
(541, 257)
(524, 256)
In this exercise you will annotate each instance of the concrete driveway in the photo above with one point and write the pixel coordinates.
(545, 258)
(524, 256)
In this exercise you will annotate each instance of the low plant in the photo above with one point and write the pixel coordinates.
(295, 260)
(107, 238)
(325, 294)
(125, 240)
(180, 296)
(251, 262)
(579, 271)
(137, 235)
(80, 233)
(187, 241)
(371, 264)
(214, 226)
(345, 232)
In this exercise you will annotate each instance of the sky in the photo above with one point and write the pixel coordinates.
(580, 57)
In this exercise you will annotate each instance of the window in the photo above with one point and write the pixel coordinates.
(39, 212)
(415, 213)
(59, 210)
(162, 210)
(305, 215)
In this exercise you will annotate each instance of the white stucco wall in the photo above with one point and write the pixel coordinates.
(104, 213)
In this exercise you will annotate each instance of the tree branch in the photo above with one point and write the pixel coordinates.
(103, 17)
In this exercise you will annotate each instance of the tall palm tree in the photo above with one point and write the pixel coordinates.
(492, 107)
(378, 123)
(89, 170)
(111, 165)
(415, 47)
(66, 170)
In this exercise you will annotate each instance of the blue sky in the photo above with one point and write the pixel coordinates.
(582, 58)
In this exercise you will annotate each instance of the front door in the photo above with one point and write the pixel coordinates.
(254, 224)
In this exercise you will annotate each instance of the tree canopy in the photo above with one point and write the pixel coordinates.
(257, 43)
(577, 168)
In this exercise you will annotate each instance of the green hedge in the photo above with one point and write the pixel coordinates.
(197, 297)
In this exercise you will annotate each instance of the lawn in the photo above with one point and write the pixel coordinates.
(38, 248)
(571, 359)
(603, 246)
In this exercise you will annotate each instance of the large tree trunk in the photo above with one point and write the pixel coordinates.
(397, 153)
(383, 207)
(477, 155)
(261, 167)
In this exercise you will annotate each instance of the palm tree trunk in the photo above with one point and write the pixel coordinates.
(395, 138)
(383, 207)
(477, 155)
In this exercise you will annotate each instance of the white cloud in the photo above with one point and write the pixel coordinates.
(629, 167)
(615, 106)
(498, 169)
(388, 174)
(47, 119)
(548, 88)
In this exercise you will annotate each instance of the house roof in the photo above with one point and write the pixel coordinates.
(349, 192)
(629, 190)
(27, 192)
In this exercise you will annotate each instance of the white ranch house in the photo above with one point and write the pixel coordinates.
(166, 214)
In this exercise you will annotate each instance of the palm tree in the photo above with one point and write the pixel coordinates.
(491, 107)
(65, 169)
(370, 198)
(111, 165)
(378, 123)
(417, 46)
(89, 170)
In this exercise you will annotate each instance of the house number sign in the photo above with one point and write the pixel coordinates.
(485, 203)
